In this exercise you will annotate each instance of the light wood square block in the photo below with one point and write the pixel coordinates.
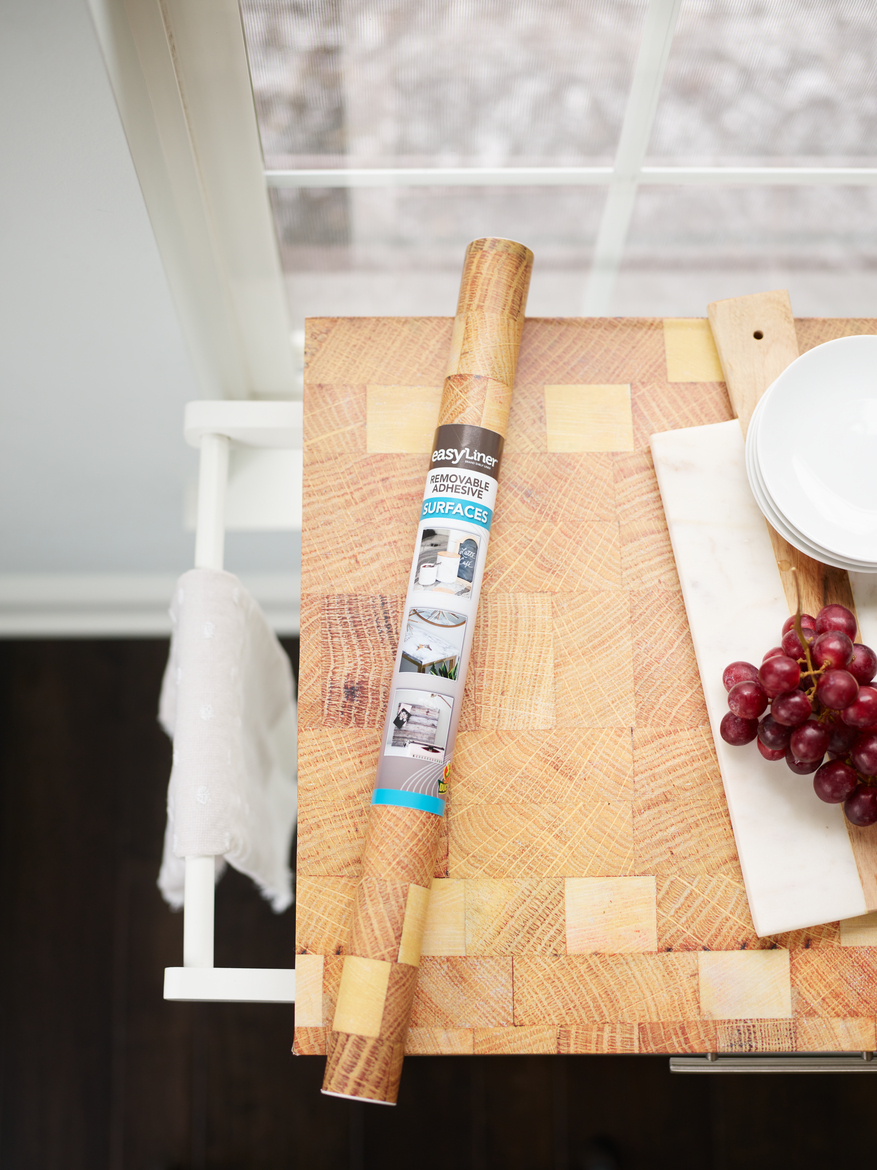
(607, 1038)
(825, 935)
(526, 429)
(852, 1035)
(678, 1036)
(359, 495)
(668, 833)
(359, 637)
(691, 352)
(310, 687)
(397, 1003)
(591, 629)
(444, 932)
(541, 840)
(309, 1041)
(336, 774)
(411, 943)
(401, 350)
(859, 932)
(378, 918)
(836, 981)
(588, 418)
(513, 661)
(361, 996)
(336, 420)
(401, 419)
(338, 765)
(590, 349)
(439, 1042)
(333, 965)
(457, 992)
(309, 991)
(380, 564)
(514, 916)
(739, 985)
(566, 767)
(562, 489)
(680, 815)
(665, 406)
(593, 989)
(705, 911)
(331, 839)
(610, 915)
(756, 1036)
(663, 650)
(510, 1041)
(675, 762)
(552, 558)
(323, 909)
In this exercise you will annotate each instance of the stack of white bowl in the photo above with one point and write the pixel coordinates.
(811, 453)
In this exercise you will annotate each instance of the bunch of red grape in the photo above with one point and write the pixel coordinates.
(818, 686)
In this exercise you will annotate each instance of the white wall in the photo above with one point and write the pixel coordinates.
(93, 367)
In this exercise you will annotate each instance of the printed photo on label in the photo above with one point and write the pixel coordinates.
(433, 642)
(419, 725)
(446, 563)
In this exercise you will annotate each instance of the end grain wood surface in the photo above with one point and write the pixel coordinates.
(587, 888)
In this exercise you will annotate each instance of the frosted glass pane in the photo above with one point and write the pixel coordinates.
(410, 228)
(441, 82)
(816, 228)
(398, 251)
(772, 81)
(692, 245)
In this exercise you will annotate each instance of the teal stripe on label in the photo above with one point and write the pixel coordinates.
(395, 796)
(443, 508)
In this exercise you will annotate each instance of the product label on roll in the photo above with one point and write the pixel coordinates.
(464, 468)
(438, 620)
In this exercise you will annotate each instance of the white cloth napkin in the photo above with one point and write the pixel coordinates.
(227, 703)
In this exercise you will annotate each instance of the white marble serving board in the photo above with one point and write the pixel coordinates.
(797, 861)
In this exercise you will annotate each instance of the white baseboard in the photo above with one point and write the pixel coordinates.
(121, 605)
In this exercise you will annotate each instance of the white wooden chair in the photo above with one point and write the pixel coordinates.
(269, 435)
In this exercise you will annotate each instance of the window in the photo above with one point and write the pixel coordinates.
(654, 154)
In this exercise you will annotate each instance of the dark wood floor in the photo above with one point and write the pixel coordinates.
(99, 1072)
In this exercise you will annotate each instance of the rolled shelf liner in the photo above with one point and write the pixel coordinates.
(366, 1042)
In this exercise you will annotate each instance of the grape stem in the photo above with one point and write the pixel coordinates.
(800, 632)
(799, 628)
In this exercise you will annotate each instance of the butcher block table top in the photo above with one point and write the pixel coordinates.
(588, 896)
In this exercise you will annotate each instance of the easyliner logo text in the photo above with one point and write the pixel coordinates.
(458, 454)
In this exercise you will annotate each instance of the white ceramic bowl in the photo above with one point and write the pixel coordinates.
(779, 522)
(816, 445)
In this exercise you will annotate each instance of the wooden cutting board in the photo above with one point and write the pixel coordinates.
(588, 897)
